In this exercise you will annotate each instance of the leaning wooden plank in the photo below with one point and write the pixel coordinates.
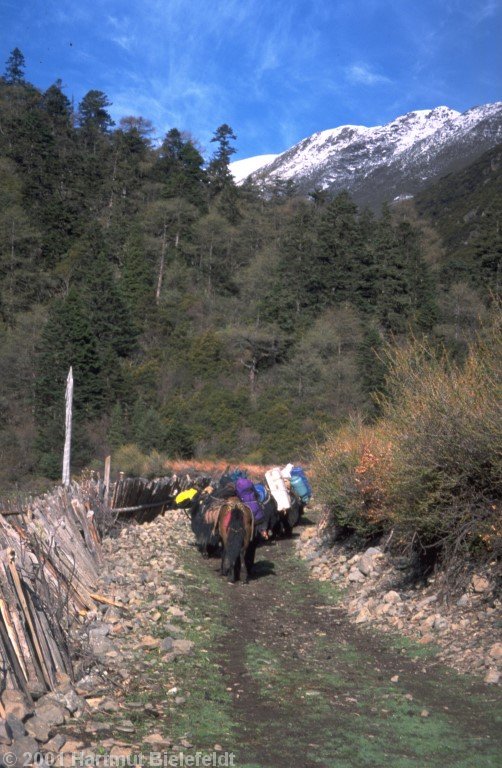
(34, 672)
(53, 650)
(12, 661)
(42, 639)
(62, 539)
(141, 507)
(91, 521)
(79, 594)
(26, 611)
(105, 600)
(11, 632)
(80, 513)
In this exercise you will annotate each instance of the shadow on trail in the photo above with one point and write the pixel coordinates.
(263, 568)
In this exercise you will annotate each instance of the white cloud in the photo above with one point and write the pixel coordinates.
(362, 74)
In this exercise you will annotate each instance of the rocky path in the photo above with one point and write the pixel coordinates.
(272, 672)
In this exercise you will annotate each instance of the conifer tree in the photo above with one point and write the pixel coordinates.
(137, 278)
(14, 70)
(294, 294)
(218, 170)
(334, 275)
(93, 114)
(179, 168)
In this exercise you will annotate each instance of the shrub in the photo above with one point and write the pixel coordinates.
(129, 459)
(348, 469)
(445, 425)
(431, 467)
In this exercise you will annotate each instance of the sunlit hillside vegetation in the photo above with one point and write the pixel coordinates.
(428, 472)
(201, 319)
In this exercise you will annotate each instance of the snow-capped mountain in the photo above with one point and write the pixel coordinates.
(384, 162)
(241, 169)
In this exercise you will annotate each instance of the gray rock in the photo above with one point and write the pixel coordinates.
(167, 644)
(366, 564)
(492, 677)
(356, 575)
(126, 726)
(16, 727)
(24, 750)
(183, 646)
(50, 713)
(99, 629)
(5, 732)
(38, 728)
(373, 551)
(15, 703)
(100, 645)
(56, 743)
(71, 701)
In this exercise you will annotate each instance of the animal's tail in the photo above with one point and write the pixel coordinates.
(236, 533)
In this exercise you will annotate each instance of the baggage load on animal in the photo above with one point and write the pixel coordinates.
(275, 482)
(300, 484)
(286, 471)
(247, 494)
(184, 499)
(261, 492)
(236, 474)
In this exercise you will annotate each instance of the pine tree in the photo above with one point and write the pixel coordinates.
(93, 114)
(218, 170)
(14, 70)
(294, 294)
(137, 279)
(334, 275)
(372, 368)
(179, 168)
(393, 302)
(109, 315)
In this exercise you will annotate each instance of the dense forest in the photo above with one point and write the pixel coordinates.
(204, 319)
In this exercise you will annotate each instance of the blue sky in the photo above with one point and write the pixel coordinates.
(275, 70)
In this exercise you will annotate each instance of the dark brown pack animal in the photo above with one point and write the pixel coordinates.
(236, 528)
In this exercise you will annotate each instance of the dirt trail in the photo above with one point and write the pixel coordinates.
(307, 688)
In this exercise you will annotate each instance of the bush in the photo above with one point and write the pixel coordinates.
(348, 469)
(430, 468)
(444, 423)
(134, 463)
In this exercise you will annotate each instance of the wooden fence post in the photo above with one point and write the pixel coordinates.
(108, 461)
(67, 441)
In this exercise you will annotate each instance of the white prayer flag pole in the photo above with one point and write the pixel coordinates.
(67, 441)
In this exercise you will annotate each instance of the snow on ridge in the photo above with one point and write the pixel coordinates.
(241, 169)
(396, 137)
(349, 150)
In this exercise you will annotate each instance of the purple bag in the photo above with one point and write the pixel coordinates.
(247, 494)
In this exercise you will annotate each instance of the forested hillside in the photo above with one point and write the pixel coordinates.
(200, 319)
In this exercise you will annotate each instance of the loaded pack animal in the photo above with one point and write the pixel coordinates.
(271, 516)
(237, 532)
(204, 522)
(291, 517)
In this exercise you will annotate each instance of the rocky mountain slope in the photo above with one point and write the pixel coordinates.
(385, 162)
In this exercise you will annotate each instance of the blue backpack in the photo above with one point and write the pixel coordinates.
(300, 484)
(261, 492)
(236, 474)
